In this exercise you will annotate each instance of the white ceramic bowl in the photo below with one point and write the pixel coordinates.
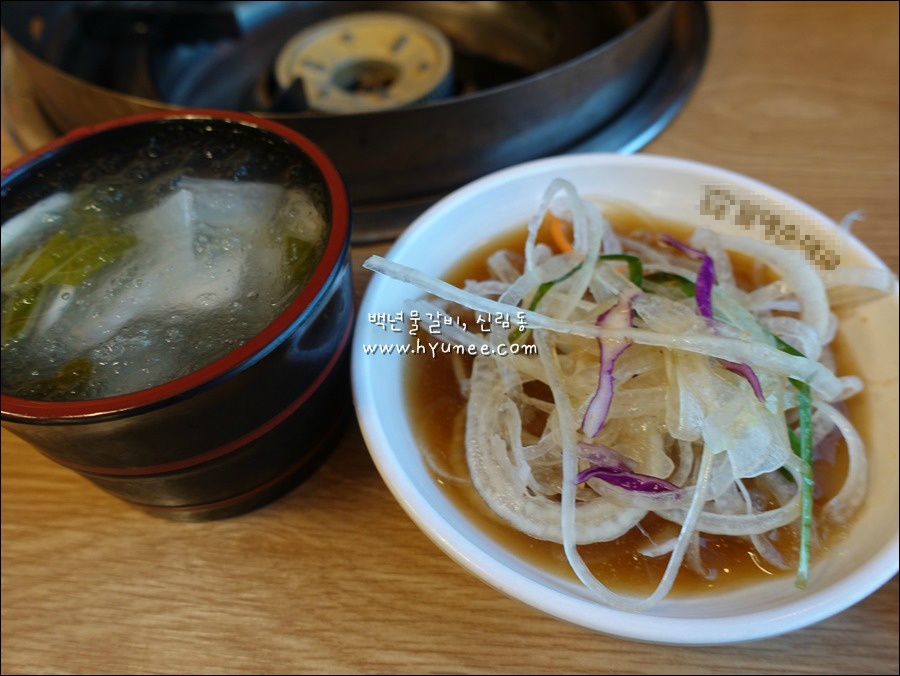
(674, 189)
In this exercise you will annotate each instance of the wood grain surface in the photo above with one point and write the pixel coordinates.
(335, 578)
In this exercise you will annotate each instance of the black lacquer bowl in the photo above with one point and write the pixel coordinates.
(246, 428)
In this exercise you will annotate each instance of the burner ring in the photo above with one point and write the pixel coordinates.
(366, 62)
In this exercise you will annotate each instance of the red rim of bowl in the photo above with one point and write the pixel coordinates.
(14, 408)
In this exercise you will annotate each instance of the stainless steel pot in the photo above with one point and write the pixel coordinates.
(575, 65)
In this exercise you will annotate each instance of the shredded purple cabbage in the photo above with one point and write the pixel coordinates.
(747, 374)
(625, 478)
(682, 247)
(605, 456)
(706, 279)
(618, 316)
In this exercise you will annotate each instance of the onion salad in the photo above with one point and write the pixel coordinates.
(668, 390)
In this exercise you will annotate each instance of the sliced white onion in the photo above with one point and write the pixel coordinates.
(848, 500)
(757, 356)
(683, 431)
(847, 284)
(494, 477)
(793, 268)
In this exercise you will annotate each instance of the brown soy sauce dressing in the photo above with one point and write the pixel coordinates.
(439, 417)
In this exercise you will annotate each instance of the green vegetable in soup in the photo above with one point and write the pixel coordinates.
(34, 277)
(70, 379)
(301, 258)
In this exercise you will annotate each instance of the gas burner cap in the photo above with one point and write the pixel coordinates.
(367, 62)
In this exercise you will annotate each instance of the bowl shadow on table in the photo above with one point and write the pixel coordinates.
(346, 485)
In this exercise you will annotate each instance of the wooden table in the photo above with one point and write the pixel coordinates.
(335, 577)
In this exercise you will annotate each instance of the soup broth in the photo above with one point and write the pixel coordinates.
(117, 287)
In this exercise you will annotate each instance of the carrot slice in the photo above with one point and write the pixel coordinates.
(560, 239)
